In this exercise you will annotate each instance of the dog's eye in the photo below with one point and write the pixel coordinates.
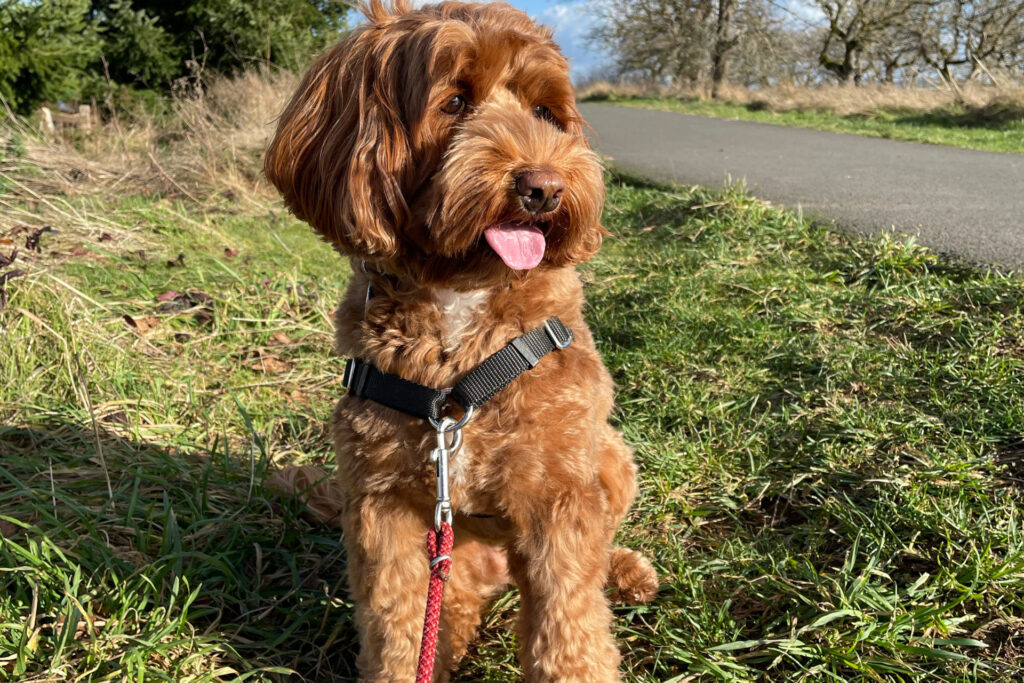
(455, 105)
(544, 114)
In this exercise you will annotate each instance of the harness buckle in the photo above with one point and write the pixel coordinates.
(355, 376)
(553, 335)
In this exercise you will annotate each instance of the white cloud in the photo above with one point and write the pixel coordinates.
(806, 11)
(571, 21)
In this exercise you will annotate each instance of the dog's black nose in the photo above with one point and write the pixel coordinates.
(540, 191)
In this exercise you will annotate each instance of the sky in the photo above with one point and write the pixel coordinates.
(570, 21)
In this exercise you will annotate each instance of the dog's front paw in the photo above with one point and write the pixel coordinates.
(633, 576)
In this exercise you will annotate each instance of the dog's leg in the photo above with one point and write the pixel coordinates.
(630, 573)
(560, 564)
(478, 572)
(388, 576)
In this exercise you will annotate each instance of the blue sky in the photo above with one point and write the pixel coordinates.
(571, 21)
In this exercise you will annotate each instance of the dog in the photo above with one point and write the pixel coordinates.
(440, 150)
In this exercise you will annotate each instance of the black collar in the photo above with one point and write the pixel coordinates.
(363, 380)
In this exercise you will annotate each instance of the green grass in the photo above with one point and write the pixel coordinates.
(954, 127)
(830, 434)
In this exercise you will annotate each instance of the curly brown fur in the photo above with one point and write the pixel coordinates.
(377, 152)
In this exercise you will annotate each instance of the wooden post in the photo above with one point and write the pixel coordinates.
(85, 117)
(47, 121)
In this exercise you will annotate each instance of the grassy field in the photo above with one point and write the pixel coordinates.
(957, 126)
(830, 433)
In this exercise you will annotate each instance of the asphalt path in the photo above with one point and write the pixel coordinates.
(960, 202)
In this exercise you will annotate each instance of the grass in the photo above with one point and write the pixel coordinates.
(830, 433)
(952, 125)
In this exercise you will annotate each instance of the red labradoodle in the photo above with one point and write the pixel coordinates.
(441, 151)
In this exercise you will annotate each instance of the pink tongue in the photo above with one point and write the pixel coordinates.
(521, 247)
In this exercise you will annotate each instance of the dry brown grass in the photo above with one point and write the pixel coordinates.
(210, 143)
(207, 147)
(985, 101)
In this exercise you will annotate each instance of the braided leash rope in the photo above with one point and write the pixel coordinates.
(439, 547)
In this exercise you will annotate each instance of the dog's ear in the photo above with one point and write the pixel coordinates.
(341, 149)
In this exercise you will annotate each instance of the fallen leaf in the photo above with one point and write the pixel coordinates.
(204, 317)
(142, 325)
(230, 253)
(178, 262)
(83, 624)
(106, 237)
(172, 301)
(6, 241)
(32, 241)
(10, 275)
(271, 365)
(8, 529)
(8, 260)
(197, 297)
(279, 339)
(117, 417)
(182, 337)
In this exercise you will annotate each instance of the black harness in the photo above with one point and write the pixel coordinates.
(363, 380)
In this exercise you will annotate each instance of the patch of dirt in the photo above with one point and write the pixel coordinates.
(772, 511)
(199, 303)
(1010, 458)
(1005, 638)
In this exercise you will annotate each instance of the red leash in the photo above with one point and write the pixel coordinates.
(439, 546)
(440, 540)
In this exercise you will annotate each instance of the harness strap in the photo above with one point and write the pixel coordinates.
(366, 381)
(498, 371)
(472, 391)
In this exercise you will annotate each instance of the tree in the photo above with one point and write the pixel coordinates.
(136, 48)
(681, 42)
(955, 36)
(64, 49)
(227, 35)
(657, 40)
(855, 27)
(44, 49)
(725, 41)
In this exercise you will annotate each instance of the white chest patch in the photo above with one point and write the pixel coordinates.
(458, 469)
(457, 311)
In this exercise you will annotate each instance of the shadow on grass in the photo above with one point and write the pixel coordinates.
(832, 481)
(187, 556)
(995, 115)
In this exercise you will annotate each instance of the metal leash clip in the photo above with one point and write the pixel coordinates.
(449, 441)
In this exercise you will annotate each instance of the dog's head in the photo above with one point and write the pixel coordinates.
(442, 143)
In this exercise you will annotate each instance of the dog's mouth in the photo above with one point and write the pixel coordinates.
(520, 245)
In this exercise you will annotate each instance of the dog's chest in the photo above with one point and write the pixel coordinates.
(457, 312)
